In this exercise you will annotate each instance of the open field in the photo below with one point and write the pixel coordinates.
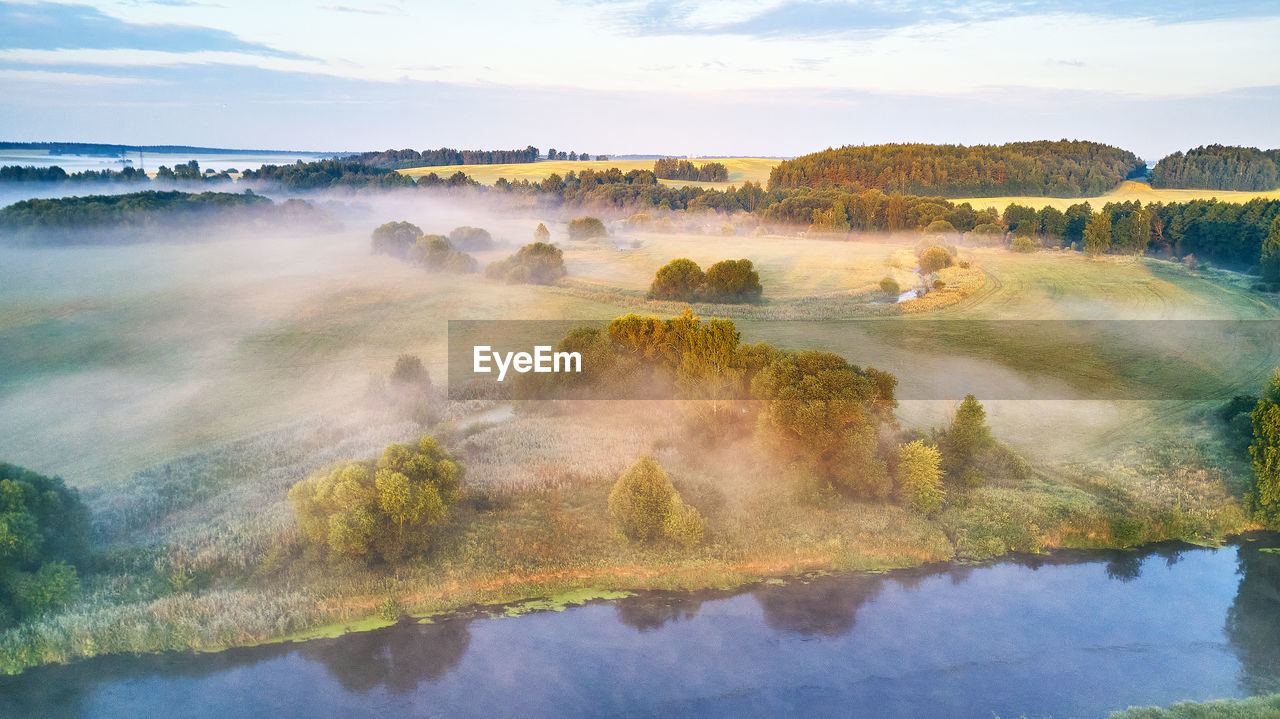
(1126, 192)
(741, 169)
(185, 387)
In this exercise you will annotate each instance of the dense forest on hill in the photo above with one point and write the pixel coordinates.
(142, 215)
(1219, 167)
(1063, 168)
(400, 159)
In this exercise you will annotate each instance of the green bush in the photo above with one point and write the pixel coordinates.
(1022, 243)
(940, 227)
(395, 239)
(680, 279)
(537, 263)
(732, 281)
(473, 239)
(890, 287)
(586, 228)
(934, 259)
(644, 505)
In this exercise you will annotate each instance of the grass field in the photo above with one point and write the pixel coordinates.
(1126, 192)
(741, 169)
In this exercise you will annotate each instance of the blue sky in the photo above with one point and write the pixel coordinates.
(773, 77)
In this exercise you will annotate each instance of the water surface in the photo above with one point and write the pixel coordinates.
(1070, 634)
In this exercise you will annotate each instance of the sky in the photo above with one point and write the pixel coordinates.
(746, 77)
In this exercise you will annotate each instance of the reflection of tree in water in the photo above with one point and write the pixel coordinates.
(399, 657)
(1126, 567)
(826, 605)
(651, 612)
(1253, 623)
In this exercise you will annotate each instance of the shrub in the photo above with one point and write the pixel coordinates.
(541, 233)
(536, 263)
(436, 253)
(934, 259)
(988, 229)
(409, 370)
(1022, 243)
(684, 524)
(727, 230)
(939, 284)
(641, 500)
(473, 239)
(940, 227)
(890, 287)
(640, 219)
(920, 477)
(679, 279)
(383, 510)
(395, 238)
(586, 228)
(732, 281)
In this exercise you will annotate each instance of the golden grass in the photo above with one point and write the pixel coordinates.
(1127, 191)
(741, 169)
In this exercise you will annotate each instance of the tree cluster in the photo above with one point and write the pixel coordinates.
(44, 531)
(1219, 167)
(726, 281)
(587, 228)
(537, 263)
(1063, 168)
(379, 511)
(670, 168)
(323, 174)
(406, 241)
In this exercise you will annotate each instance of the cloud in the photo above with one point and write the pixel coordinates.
(52, 26)
(359, 10)
(810, 18)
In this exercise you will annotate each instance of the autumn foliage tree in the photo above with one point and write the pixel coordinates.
(732, 281)
(644, 506)
(920, 477)
(680, 279)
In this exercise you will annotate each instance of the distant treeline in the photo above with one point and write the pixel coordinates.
(187, 171)
(328, 173)
(95, 148)
(1218, 167)
(400, 159)
(669, 168)
(1063, 168)
(141, 215)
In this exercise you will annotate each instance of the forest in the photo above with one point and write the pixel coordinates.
(1219, 167)
(1063, 168)
(323, 174)
(670, 168)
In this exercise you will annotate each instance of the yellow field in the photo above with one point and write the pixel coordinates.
(741, 169)
(1126, 192)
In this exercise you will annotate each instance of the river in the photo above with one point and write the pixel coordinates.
(1067, 634)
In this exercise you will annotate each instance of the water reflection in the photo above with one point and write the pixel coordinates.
(826, 606)
(1253, 622)
(399, 657)
(649, 612)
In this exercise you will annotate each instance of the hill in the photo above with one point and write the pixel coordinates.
(1063, 168)
(1219, 167)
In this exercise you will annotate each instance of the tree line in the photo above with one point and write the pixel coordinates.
(1219, 167)
(670, 168)
(401, 159)
(138, 214)
(1063, 168)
